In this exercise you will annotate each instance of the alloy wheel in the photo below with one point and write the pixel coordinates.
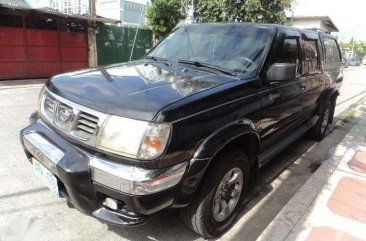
(227, 194)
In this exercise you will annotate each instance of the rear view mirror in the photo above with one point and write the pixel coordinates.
(281, 72)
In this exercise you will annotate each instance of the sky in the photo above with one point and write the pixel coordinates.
(348, 15)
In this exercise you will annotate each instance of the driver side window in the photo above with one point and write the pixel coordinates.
(289, 52)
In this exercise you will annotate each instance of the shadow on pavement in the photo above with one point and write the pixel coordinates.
(281, 179)
(16, 194)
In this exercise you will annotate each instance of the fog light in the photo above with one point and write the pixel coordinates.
(111, 203)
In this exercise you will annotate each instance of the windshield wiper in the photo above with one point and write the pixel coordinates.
(211, 66)
(158, 59)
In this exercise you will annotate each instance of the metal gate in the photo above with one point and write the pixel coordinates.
(37, 46)
(115, 44)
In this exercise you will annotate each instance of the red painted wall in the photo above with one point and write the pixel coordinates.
(34, 53)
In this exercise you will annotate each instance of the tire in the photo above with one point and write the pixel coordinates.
(320, 129)
(200, 215)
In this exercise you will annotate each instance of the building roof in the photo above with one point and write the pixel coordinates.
(325, 19)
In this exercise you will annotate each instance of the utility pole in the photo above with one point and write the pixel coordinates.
(137, 30)
(92, 42)
(354, 40)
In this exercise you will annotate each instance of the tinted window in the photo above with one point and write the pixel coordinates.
(331, 51)
(236, 47)
(289, 53)
(311, 56)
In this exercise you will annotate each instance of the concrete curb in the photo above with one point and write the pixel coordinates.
(285, 226)
(291, 214)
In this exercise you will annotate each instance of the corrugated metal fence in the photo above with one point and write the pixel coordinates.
(115, 44)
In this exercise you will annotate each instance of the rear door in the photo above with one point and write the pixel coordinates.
(313, 79)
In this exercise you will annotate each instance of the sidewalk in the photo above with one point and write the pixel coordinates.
(21, 83)
(332, 203)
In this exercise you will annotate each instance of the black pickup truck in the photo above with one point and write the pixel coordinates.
(186, 127)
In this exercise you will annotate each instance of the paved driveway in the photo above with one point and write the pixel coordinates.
(28, 208)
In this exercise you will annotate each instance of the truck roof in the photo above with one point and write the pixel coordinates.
(274, 26)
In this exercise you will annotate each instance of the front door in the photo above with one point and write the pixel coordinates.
(282, 107)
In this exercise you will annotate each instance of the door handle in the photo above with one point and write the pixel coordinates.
(274, 96)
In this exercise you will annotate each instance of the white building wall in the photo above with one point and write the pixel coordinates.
(306, 23)
(78, 7)
(109, 9)
(127, 11)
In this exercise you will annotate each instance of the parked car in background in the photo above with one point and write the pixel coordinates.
(345, 63)
(354, 62)
(188, 127)
(364, 60)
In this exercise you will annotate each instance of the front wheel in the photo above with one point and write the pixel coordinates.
(214, 208)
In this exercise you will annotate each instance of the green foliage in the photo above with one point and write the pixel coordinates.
(164, 15)
(349, 116)
(359, 46)
(260, 11)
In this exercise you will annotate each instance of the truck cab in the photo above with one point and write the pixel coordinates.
(188, 126)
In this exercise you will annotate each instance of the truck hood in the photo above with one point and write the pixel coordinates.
(135, 90)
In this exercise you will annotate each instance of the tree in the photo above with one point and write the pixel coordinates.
(164, 15)
(359, 46)
(261, 11)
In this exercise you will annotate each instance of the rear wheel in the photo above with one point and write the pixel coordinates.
(320, 129)
(218, 200)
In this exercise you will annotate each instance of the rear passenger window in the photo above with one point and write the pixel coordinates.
(289, 53)
(311, 56)
(332, 54)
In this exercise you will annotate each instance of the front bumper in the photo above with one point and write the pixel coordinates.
(87, 180)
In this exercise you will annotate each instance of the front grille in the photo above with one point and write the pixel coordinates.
(49, 106)
(79, 122)
(64, 108)
(50, 103)
(88, 124)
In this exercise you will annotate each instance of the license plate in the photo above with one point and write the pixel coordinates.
(46, 176)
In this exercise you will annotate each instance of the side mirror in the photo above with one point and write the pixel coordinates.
(281, 72)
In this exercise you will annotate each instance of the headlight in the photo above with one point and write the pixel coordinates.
(155, 140)
(133, 138)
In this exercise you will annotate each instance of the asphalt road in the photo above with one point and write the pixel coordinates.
(29, 211)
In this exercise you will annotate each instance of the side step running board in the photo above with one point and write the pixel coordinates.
(267, 155)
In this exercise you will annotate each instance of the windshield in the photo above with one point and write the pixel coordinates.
(234, 47)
